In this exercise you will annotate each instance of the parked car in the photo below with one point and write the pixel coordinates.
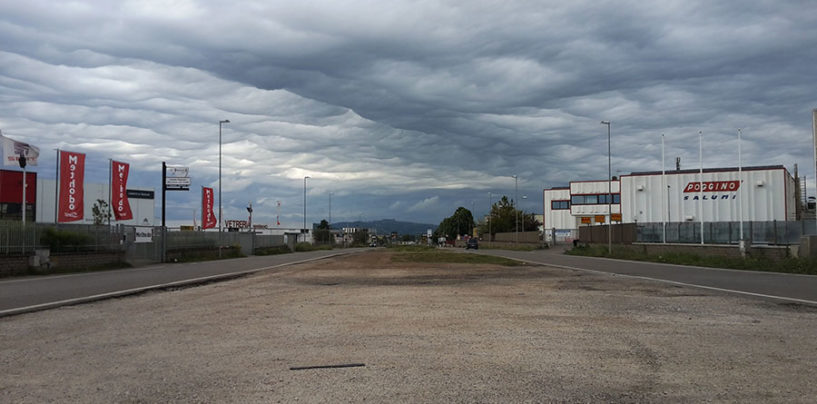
(472, 243)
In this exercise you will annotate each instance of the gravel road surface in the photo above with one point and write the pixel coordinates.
(422, 333)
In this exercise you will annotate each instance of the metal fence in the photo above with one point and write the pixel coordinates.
(771, 233)
(16, 239)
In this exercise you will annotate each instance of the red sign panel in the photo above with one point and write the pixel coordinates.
(119, 191)
(208, 217)
(72, 176)
(713, 186)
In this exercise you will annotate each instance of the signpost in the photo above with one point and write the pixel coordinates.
(178, 183)
(173, 179)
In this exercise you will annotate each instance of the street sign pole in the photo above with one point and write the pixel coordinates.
(164, 229)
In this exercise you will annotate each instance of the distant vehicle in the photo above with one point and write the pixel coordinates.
(373, 245)
(472, 243)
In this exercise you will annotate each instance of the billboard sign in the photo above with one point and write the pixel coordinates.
(144, 234)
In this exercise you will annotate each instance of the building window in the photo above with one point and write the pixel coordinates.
(560, 205)
(594, 199)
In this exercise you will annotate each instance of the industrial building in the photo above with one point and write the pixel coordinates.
(751, 194)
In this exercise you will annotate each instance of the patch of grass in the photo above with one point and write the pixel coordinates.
(281, 249)
(440, 256)
(303, 247)
(513, 247)
(410, 248)
(787, 265)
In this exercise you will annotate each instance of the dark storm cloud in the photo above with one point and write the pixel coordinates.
(419, 106)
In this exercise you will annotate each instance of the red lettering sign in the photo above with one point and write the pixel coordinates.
(713, 186)
(72, 177)
(208, 217)
(119, 193)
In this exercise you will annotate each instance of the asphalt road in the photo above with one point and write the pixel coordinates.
(21, 295)
(779, 286)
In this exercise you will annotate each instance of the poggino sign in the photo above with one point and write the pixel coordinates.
(714, 190)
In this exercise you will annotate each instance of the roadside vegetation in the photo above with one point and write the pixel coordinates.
(787, 265)
(304, 247)
(279, 249)
(511, 247)
(425, 254)
(203, 254)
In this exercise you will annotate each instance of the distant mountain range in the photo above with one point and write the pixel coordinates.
(387, 226)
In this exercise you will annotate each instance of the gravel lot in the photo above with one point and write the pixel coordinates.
(425, 332)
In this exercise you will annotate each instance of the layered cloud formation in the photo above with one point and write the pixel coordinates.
(404, 110)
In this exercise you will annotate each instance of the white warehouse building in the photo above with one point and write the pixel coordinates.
(757, 194)
(141, 200)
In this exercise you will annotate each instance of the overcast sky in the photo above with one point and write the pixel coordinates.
(404, 110)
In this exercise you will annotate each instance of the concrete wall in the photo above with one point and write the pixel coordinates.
(524, 237)
(622, 234)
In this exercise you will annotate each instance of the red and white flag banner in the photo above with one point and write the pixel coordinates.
(119, 191)
(208, 217)
(72, 177)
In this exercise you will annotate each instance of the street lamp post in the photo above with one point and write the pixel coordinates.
(220, 218)
(305, 206)
(609, 193)
(516, 210)
(490, 216)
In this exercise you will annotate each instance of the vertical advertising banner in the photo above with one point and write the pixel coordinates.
(119, 191)
(72, 177)
(208, 217)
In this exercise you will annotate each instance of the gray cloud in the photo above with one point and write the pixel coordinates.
(405, 110)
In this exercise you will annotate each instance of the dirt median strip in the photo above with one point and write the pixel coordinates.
(430, 332)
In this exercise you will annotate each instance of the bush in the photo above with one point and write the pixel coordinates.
(281, 249)
(203, 254)
(64, 240)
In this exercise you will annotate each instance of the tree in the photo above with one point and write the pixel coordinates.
(461, 222)
(361, 237)
(323, 235)
(503, 219)
(101, 212)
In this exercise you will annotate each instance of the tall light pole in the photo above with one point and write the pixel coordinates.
(330, 209)
(741, 243)
(220, 218)
(490, 216)
(609, 193)
(305, 206)
(516, 210)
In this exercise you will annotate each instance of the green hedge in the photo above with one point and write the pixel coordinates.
(64, 241)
